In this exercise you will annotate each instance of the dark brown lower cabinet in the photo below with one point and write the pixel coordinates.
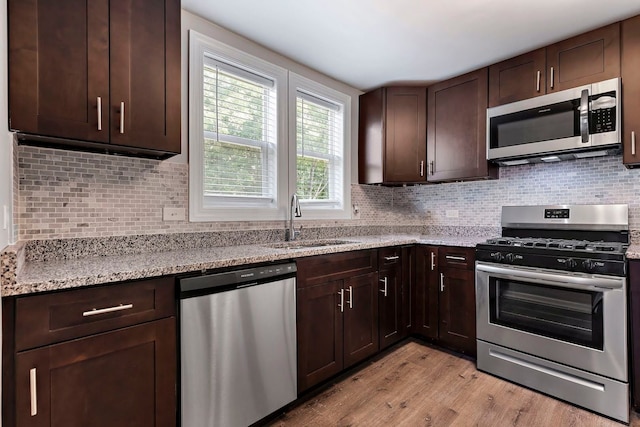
(120, 378)
(395, 276)
(337, 327)
(425, 305)
(634, 333)
(95, 356)
(444, 304)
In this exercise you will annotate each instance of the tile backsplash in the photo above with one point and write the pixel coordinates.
(66, 194)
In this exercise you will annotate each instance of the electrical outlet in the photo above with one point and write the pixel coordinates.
(452, 213)
(173, 214)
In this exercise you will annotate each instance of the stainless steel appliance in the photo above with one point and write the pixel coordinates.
(551, 301)
(574, 123)
(237, 345)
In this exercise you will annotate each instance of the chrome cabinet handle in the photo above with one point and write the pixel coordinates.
(538, 81)
(96, 311)
(421, 167)
(122, 117)
(99, 113)
(350, 297)
(455, 258)
(552, 77)
(33, 390)
(633, 143)
(441, 282)
(431, 167)
(391, 258)
(384, 290)
(341, 305)
(433, 261)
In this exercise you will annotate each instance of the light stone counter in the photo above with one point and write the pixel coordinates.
(43, 276)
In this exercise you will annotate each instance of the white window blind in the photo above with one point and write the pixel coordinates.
(319, 148)
(239, 125)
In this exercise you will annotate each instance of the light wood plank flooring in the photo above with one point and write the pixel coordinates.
(417, 385)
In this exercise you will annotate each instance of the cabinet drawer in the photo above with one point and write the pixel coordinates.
(456, 257)
(51, 318)
(389, 256)
(324, 268)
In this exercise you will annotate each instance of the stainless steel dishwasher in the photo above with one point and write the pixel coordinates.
(237, 345)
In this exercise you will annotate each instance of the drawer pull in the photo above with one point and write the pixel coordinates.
(33, 389)
(96, 311)
(456, 258)
(392, 258)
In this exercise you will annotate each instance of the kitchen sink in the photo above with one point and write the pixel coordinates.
(307, 244)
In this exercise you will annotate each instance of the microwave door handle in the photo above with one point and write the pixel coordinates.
(584, 116)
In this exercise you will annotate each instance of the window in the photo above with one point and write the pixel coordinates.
(239, 113)
(321, 155)
(243, 162)
(237, 158)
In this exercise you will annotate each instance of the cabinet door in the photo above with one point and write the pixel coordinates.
(121, 378)
(320, 333)
(405, 134)
(390, 306)
(145, 73)
(59, 68)
(634, 315)
(425, 309)
(631, 90)
(360, 318)
(584, 59)
(457, 122)
(458, 310)
(517, 78)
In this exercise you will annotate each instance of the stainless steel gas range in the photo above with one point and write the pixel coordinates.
(551, 300)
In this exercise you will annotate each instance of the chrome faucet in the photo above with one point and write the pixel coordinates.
(296, 212)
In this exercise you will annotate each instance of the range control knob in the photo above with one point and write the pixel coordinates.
(497, 256)
(588, 265)
(510, 257)
(571, 263)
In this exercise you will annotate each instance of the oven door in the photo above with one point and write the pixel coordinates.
(575, 319)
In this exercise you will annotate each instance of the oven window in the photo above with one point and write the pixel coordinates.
(565, 314)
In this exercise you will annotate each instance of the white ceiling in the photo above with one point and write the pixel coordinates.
(369, 43)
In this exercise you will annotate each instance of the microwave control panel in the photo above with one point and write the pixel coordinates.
(602, 113)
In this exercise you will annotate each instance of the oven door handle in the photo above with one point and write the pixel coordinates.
(560, 280)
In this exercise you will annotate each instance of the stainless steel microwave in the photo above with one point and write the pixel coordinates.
(574, 123)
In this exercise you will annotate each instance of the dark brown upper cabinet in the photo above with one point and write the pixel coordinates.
(392, 136)
(98, 75)
(456, 129)
(588, 58)
(631, 92)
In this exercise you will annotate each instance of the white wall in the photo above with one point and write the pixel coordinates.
(191, 21)
(6, 155)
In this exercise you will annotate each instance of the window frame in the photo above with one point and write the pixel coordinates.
(317, 209)
(227, 208)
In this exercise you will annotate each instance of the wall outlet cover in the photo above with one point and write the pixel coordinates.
(452, 213)
(173, 214)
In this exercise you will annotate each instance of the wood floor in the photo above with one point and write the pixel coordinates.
(417, 385)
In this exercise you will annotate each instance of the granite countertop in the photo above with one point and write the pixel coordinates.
(63, 274)
(633, 252)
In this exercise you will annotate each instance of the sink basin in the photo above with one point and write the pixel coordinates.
(306, 244)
